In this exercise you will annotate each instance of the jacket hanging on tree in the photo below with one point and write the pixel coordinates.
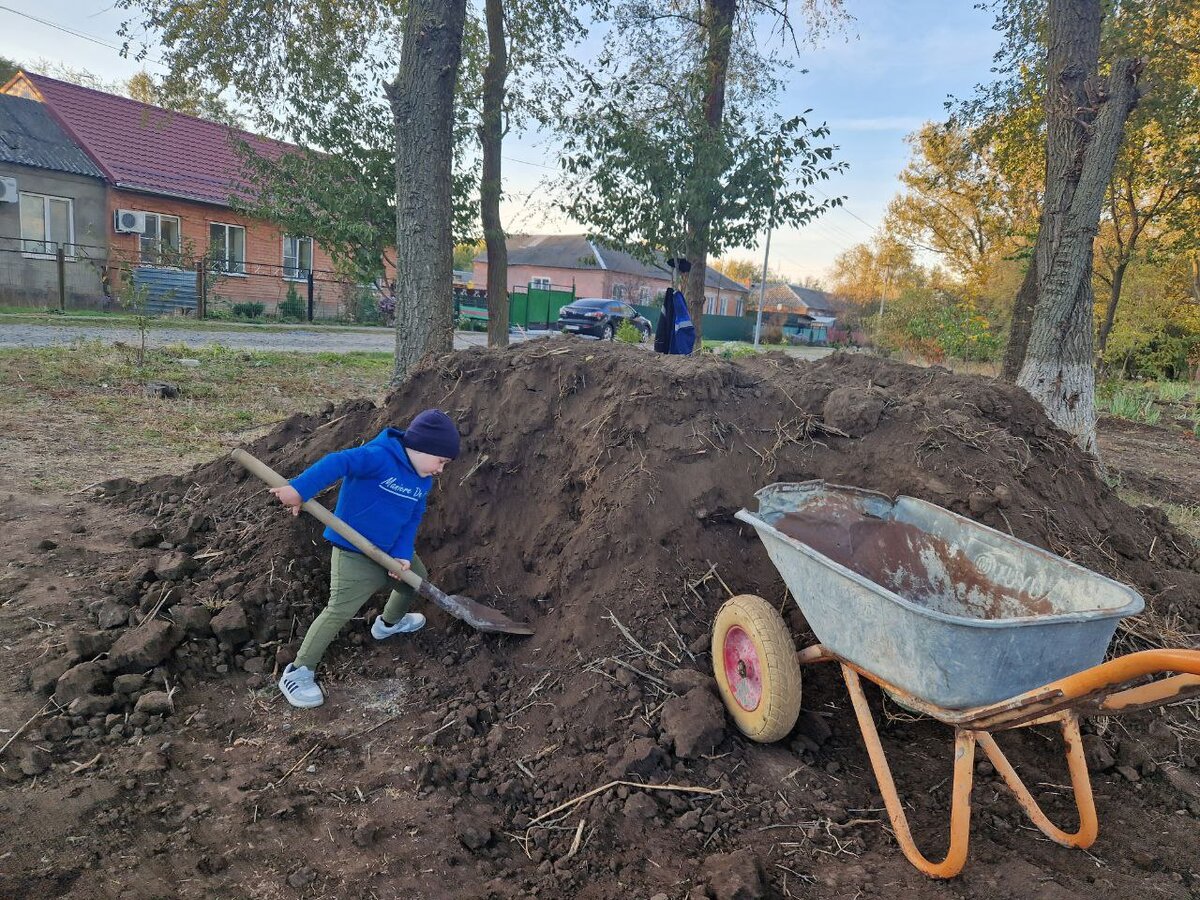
(683, 331)
(666, 323)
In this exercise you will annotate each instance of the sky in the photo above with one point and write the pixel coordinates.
(890, 71)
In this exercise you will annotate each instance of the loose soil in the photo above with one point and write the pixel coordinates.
(595, 499)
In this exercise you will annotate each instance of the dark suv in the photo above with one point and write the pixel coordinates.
(600, 317)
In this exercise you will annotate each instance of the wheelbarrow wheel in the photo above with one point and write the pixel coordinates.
(758, 675)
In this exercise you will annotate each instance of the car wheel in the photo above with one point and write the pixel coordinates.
(645, 334)
(607, 334)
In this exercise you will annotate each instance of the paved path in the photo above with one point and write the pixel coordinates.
(299, 340)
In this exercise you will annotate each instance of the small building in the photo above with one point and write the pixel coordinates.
(592, 269)
(171, 185)
(52, 197)
(806, 315)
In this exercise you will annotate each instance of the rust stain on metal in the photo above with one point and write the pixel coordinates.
(919, 566)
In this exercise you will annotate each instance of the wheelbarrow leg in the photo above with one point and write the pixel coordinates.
(960, 806)
(1080, 782)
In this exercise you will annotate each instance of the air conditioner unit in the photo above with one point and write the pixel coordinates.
(8, 190)
(126, 221)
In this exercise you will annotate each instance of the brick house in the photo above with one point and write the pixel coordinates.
(52, 196)
(171, 183)
(596, 270)
(805, 313)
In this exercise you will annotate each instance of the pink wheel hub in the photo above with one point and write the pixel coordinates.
(743, 671)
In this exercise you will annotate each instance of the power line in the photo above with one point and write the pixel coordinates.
(71, 31)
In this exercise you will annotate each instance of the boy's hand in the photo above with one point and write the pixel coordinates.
(289, 497)
(404, 564)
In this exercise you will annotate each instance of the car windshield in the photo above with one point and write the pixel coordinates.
(590, 304)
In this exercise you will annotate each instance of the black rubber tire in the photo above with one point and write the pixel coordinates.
(778, 706)
(607, 333)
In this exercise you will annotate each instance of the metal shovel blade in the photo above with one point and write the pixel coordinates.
(475, 614)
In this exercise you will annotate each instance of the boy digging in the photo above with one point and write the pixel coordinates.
(385, 485)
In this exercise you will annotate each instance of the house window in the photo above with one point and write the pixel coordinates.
(297, 257)
(710, 304)
(644, 295)
(741, 307)
(227, 248)
(618, 291)
(159, 244)
(46, 222)
(540, 284)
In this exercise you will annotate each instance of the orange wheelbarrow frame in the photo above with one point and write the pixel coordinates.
(1101, 690)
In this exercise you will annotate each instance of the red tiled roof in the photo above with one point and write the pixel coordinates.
(147, 148)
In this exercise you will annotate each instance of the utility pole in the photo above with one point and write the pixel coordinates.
(762, 283)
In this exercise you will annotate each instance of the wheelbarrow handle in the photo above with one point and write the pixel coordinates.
(257, 467)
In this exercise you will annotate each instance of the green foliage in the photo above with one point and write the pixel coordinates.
(8, 68)
(631, 179)
(628, 333)
(672, 143)
(733, 349)
(1131, 402)
(293, 307)
(1174, 391)
(366, 307)
(248, 310)
(936, 325)
(135, 298)
(471, 323)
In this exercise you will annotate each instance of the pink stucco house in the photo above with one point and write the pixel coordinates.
(562, 260)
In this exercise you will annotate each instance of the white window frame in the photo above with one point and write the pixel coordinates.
(297, 273)
(741, 307)
(223, 267)
(710, 304)
(618, 291)
(67, 245)
(644, 295)
(158, 253)
(540, 283)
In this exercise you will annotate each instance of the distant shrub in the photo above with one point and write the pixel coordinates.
(629, 333)
(292, 307)
(248, 310)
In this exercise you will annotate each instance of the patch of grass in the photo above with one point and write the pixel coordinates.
(1173, 391)
(71, 416)
(1133, 403)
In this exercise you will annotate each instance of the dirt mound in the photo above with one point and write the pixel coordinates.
(595, 499)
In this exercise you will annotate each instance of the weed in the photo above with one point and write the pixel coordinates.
(628, 333)
(1173, 391)
(1133, 403)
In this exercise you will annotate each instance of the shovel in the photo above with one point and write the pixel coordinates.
(478, 616)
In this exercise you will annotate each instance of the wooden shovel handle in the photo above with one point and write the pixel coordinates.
(257, 467)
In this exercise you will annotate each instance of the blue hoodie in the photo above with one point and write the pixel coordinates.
(382, 496)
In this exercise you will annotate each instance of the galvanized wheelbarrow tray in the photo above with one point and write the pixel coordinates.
(951, 618)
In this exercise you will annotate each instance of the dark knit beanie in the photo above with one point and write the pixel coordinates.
(432, 432)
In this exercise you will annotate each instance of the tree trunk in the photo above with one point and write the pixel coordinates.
(1022, 321)
(703, 188)
(1114, 297)
(422, 102)
(1059, 368)
(491, 137)
(1074, 51)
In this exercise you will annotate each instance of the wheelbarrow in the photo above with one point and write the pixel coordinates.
(953, 620)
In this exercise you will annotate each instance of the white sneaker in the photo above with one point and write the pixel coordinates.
(409, 622)
(300, 688)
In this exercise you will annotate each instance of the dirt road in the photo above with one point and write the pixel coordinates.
(325, 339)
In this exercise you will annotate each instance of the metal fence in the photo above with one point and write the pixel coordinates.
(77, 277)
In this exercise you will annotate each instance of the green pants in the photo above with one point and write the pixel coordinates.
(353, 578)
